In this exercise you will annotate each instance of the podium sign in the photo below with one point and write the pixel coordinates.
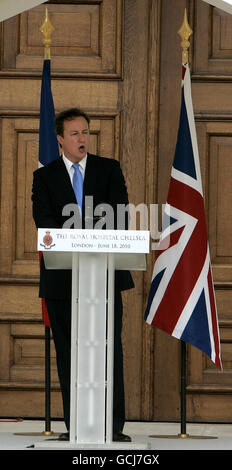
(93, 256)
(103, 241)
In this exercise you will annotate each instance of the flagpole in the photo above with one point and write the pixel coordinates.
(184, 32)
(46, 29)
(183, 390)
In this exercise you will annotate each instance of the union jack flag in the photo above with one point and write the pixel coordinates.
(181, 299)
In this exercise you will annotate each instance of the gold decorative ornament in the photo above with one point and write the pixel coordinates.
(185, 32)
(47, 29)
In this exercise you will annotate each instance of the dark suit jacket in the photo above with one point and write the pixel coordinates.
(52, 190)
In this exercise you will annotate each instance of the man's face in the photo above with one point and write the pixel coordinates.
(75, 141)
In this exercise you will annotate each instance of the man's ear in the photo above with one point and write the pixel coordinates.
(60, 140)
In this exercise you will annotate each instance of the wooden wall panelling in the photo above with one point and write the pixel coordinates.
(148, 392)
(212, 41)
(167, 348)
(209, 390)
(7, 203)
(22, 386)
(25, 257)
(104, 135)
(19, 160)
(136, 132)
(221, 197)
(215, 148)
(22, 358)
(21, 329)
(86, 39)
(130, 85)
(22, 96)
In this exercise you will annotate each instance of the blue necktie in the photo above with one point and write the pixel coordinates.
(78, 184)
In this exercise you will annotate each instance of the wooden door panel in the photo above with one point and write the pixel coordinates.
(208, 389)
(86, 40)
(79, 62)
(21, 329)
(213, 34)
(214, 140)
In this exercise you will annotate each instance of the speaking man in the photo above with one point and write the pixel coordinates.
(71, 179)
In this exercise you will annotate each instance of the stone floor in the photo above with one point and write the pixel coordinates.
(25, 434)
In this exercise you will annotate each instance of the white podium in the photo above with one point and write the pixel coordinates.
(93, 256)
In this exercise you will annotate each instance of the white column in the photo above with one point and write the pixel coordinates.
(91, 355)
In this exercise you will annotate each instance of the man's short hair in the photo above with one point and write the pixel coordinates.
(68, 115)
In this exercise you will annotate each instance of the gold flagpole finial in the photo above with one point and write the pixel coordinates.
(185, 31)
(47, 29)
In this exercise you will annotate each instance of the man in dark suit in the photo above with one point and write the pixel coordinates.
(52, 191)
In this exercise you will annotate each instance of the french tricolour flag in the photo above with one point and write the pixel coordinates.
(181, 298)
(48, 144)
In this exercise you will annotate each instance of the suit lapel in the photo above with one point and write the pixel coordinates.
(90, 175)
(63, 183)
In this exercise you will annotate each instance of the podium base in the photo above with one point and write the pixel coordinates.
(59, 445)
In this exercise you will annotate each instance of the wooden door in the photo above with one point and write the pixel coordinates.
(99, 62)
(86, 72)
(124, 68)
(208, 389)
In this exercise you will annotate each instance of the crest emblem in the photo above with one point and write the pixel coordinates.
(47, 241)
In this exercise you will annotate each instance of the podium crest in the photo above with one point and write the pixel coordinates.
(47, 241)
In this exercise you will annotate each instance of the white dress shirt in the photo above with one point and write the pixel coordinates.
(70, 169)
